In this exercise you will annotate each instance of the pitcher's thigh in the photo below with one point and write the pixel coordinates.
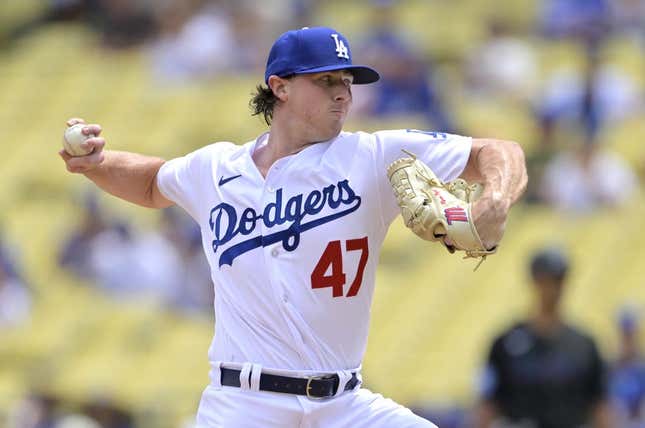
(365, 409)
(228, 407)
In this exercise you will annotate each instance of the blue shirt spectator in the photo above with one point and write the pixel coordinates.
(627, 382)
(585, 19)
(407, 85)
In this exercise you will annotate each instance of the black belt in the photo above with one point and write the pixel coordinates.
(312, 387)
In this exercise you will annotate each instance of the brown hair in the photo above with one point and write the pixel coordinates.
(263, 102)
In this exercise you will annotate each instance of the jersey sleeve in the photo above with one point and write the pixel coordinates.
(446, 154)
(182, 180)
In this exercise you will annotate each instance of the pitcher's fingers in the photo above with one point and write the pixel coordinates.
(64, 155)
(92, 129)
(95, 144)
(73, 121)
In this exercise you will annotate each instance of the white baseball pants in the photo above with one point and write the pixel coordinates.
(231, 407)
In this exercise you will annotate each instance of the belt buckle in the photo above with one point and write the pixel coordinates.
(308, 387)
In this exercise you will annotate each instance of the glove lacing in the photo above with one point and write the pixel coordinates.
(469, 189)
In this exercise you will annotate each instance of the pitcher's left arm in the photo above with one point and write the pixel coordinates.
(500, 166)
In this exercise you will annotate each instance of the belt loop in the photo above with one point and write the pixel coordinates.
(343, 376)
(256, 372)
(216, 378)
(359, 377)
(245, 374)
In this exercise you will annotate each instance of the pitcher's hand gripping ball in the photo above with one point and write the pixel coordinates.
(436, 211)
(73, 139)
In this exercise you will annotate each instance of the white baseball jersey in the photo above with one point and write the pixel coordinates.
(293, 255)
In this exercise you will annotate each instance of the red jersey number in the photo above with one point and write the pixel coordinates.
(333, 257)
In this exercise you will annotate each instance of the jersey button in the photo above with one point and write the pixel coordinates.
(275, 252)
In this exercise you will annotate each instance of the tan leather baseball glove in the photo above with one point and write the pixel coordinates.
(436, 211)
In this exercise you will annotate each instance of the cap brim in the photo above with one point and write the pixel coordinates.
(362, 74)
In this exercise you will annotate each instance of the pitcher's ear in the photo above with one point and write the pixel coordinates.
(279, 86)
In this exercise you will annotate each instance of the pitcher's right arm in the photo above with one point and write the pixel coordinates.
(129, 176)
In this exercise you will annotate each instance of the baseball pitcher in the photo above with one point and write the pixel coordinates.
(292, 223)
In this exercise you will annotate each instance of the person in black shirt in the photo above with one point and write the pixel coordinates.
(542, 372)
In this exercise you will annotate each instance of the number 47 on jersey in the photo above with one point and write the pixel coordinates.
(332, 261)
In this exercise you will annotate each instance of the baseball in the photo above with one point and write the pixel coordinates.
(73, 138)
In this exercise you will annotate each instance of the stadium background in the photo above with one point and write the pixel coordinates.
(432, 316)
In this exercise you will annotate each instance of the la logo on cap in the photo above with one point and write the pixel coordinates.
(341, 49)
(309, 50)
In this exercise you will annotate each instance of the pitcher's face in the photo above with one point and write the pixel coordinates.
(321, 102)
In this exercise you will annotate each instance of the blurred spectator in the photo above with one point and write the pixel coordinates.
(196, 41)
(586, 179)
(585, 20)
(120, 23)
(502, 65)
(15, 296)
(407, 85)
(15, 299)
(601, 95)
(194, 293)
(38, 410)
(539, 158)
(108, 414)
(588, 176)
(75, 253)
(302, 13)
(627, 382)
(46, 410)
(254, 28)
(543, 372)
(165, 264)
(444, 417)
(54, 11)
(77, 421)
(128, 263)
(628, 18)
(9, 260)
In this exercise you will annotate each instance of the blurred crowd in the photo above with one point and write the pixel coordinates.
(15, 295)
(165, 264)
(191, 40)
(573, 167)
(46, 410)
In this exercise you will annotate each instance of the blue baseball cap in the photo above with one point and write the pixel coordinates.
(312, 50)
